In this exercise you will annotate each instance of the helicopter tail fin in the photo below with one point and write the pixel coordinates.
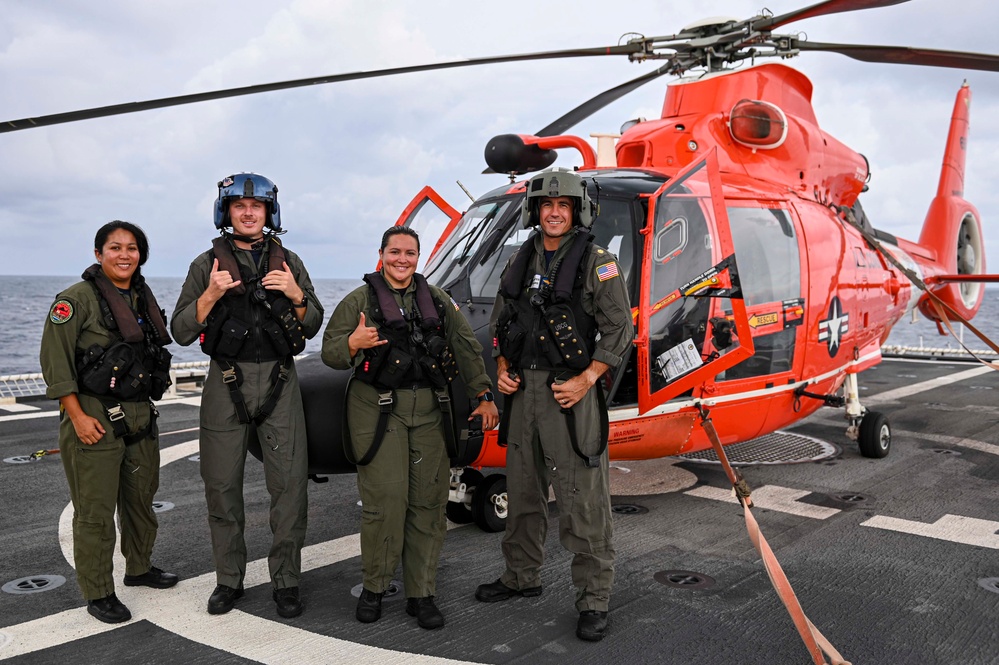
(952, 229)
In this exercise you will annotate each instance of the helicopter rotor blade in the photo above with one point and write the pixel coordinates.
(907, 55)
(134, 107)
(594, 104)
(822, 9)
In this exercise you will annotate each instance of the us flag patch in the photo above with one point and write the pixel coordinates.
(456, 308)
(606, 271)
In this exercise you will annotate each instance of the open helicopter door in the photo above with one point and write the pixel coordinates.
(433, 222)
(689, 260)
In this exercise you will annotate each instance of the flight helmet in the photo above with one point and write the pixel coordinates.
(247, 186)
(557, 182)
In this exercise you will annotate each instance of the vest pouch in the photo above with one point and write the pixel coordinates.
(117, 373)
(132, 383)
(160, 375)
(290, 326)
(213, 330)
(232, 335)
(276, 335)
(395, 368)
(511, 334)
(566, 338)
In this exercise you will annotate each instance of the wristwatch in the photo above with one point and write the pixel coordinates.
(486, 396)
(305, 299)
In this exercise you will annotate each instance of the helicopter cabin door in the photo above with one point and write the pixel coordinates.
(433, 222)
(689, 261)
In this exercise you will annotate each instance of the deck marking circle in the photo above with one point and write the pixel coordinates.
(33, 584)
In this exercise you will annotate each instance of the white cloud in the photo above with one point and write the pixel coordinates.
(349, 157)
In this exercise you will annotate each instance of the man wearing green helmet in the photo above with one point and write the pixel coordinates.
(562, 319)
(251, 303)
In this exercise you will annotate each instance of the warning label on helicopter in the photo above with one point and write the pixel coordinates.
(679, 360)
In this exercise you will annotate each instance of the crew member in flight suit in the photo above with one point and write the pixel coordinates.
(251, 303)
(562, 319)
(397, 320)
(102, 357)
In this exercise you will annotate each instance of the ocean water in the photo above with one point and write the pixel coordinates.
(25, 302)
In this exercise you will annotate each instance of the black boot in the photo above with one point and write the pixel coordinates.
(369, 606)
(153, 578)
(497, 591)
(223, 599)
(592, 625)
(425, 611)
(108, 609)
(288, 603)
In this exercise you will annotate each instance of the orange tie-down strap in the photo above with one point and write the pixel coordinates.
(815, 641)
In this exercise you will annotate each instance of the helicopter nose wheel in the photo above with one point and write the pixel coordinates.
(489, 503)
(874, 437)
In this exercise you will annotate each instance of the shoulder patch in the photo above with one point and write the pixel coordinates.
(61, 312)
(607, 271)
(456, 308)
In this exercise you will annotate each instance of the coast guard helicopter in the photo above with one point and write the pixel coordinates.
(760, 289)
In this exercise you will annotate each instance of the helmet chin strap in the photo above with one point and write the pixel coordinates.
(255, 243)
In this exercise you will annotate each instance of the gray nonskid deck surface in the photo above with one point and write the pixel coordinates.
(890, 558)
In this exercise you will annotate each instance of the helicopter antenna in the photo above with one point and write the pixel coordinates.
(465, 189)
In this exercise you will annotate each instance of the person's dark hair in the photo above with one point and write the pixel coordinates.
(140, 237)
(397, 230)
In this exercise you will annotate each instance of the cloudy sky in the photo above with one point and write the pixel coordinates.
(348, 157)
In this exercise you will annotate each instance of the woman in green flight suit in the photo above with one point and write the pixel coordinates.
(404, 488)
(102, 357)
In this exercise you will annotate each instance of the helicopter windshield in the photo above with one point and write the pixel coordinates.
(476, 224)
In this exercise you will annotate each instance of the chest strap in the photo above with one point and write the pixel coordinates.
(222, 250)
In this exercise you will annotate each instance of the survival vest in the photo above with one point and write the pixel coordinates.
(543, 324)
(250, 323)
(134, 367)
(417, 352)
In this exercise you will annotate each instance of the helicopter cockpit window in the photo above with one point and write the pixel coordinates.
(767, 248)
(770, 270)
(477, 224)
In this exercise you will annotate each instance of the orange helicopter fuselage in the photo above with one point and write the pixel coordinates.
(845, 297)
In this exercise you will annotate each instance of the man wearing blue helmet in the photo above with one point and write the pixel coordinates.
(250, 302)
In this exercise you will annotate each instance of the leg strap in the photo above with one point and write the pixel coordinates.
(444, 402)
(386, 402)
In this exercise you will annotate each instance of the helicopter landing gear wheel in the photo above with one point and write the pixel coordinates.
(460, 512)
(874, 438)
(489, 503)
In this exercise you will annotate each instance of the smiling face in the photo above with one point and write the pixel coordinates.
(119, 257)
(399, 259)
(555, 214)
(248, 217)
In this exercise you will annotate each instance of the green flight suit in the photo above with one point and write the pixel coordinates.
(108, 474)
(405, 487)
(539, 449)
(224, 440)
